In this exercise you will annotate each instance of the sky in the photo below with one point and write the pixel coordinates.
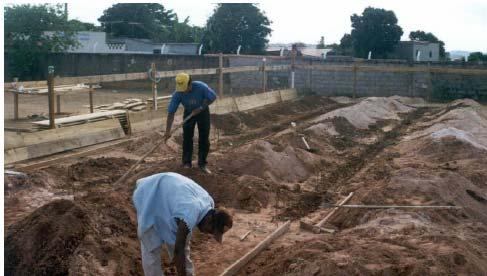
(461, 24)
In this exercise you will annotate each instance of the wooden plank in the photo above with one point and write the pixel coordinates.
(201, 71)
(257, 100)
(224, 105)
(112, 132)
(240, 263)
(288, 94)
(46, 162)
(240, 69)
(332, 212)
(277, 67)
(82, 118)
(147, 120)
(16, 140)
(395, 206)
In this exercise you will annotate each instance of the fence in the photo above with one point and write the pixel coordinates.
(256, 74)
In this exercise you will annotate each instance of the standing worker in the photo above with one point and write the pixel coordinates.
(195, 96)
(169, 206)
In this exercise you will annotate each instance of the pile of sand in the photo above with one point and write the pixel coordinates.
(463, 122)
(368, 112)
(408, 100)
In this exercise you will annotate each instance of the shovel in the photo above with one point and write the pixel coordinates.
(134, 166)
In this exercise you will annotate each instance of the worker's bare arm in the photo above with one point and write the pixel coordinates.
(179, 254)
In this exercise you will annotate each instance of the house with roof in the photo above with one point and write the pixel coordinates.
(97, 42)
(417, 51)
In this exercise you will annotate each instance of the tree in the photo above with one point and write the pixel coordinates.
(423, 36)
(79, 26)
(232, 25)
(321, 45)
(477, 56)
(183, 32)
(32, 31)
(375, 30)
(138, 20)
(346, 45)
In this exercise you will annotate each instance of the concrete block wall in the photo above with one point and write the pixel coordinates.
(436, 86)
(251, 82)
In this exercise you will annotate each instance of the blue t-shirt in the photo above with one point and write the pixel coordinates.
(192, 99)
(161, 198)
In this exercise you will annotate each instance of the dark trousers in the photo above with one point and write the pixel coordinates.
(203, 122)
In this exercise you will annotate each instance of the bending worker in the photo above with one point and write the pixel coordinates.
(169, 206)
(195, 96)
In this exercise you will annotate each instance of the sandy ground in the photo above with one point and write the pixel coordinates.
(399, 154)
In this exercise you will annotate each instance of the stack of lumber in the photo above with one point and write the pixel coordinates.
(132, 104)
(162, 102)
(121, 115)
(58, 89)
(25, 146)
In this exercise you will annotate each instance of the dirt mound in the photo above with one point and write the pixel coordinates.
(368, 112)
(264, 160)
(236, 123)
(240, 192)
(43, 242)
(103, 170)
(372, 254)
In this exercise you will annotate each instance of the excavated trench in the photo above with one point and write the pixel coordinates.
(263, 174)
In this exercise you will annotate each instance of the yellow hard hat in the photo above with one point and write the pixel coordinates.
(182, 81)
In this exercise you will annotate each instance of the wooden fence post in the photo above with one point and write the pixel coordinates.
(58, 104)
(154, 85)
(264, 76)
(354, 92)
(50, 89)
(91, 97)
(220, 75)
(16, 102)
(293, 65)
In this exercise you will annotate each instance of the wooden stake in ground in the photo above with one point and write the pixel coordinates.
(50, 88)
(236, 266)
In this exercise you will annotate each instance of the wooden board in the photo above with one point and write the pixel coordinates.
(257, 100)
(147, 120)
(224, 105)
(77, 153)
(202, 71)
(82, 118)
(105, 131)
(288, 94)
(240, 69)
(240, 263)
(17, 140)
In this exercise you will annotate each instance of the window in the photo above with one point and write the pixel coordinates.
(431, 54)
